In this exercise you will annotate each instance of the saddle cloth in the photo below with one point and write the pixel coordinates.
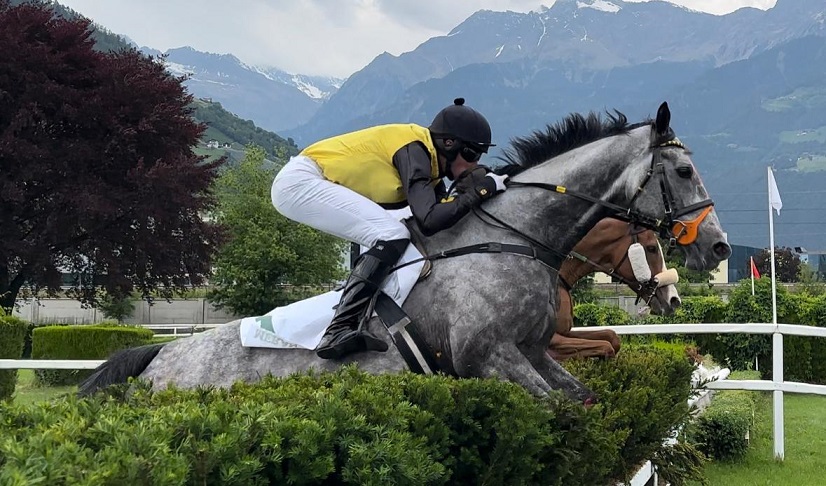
(302, 324)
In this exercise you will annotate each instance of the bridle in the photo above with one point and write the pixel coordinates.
(645, 289)
(670, 226)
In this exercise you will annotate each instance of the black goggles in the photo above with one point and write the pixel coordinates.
(472, 153)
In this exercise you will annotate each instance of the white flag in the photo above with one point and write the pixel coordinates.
(774, 194)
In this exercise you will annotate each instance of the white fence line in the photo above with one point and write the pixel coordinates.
(179, 329)
(49, 364)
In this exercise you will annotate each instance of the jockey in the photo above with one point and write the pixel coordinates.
(342, 186)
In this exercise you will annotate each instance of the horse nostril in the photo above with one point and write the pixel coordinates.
(722, 250)
(675, 302)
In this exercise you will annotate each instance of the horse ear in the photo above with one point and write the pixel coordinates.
(663, 119)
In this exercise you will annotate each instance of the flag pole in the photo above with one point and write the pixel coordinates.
(751, 271)
(777, 338)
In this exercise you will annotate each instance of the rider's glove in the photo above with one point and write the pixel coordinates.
(480, 182)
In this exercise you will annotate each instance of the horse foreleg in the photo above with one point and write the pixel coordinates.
(601, 335)
(564, 347)
(505, 361)
(558, 378)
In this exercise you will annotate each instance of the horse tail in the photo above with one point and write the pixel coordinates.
(121, 366)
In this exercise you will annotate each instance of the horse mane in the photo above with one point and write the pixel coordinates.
(573, 131)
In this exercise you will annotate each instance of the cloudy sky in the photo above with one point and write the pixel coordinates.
(323, 37)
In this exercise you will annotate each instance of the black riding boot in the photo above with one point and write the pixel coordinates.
(345, 334)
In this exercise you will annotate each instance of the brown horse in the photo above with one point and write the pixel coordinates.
(606, 248)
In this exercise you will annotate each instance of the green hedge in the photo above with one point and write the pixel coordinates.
(348, 427)
(720, 431)
(81, 342)
(588, 315)
(12, 331)
(804, 357)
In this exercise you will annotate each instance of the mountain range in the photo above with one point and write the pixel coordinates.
(747, 90)
(275, 99)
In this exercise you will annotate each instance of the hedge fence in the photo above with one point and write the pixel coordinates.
(12, 332)
(81, 342)
(348, 427)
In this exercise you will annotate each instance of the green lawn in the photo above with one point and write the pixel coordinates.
(807, 97)
(805, 447)
(28, 391)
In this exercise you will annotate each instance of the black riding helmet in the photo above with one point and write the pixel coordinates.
(463, 124)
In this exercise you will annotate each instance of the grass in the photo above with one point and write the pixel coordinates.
(808, 97)
(28, 391)
(805, 447)
(803, 136)
(811, 163)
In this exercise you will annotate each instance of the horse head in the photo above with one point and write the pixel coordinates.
(631, 254)
(670, 198)
(655, 283)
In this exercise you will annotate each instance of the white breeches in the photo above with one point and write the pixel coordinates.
(301, 193)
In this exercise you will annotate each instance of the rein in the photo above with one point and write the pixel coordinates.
(677, 231)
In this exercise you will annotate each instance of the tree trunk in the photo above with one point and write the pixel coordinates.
(9, 290)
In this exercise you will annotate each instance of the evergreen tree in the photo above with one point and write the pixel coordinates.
(267, 255)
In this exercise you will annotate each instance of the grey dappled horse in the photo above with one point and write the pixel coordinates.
(484, 314)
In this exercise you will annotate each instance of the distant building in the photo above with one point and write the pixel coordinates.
(815, 260)
(738, 263)
(213, 144)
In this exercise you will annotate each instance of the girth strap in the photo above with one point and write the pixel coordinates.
(405, 334)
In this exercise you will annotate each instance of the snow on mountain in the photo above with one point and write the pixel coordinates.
(601, 5)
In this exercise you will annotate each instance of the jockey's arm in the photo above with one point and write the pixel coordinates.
(433, 210)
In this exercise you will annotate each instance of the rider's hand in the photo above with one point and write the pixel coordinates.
(480, 182)
(499, 180)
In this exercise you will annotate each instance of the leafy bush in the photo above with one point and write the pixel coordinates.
(348, 427)
(117, 307)
(721, 430)
(81, 342)
(12, 331)
(590, 314)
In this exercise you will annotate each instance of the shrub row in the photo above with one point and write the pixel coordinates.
(721, 431)
(804, 357)
(348, 427)
(12, 331)
(81, 342)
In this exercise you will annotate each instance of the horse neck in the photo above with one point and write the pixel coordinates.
(601, 252)
(573, 269)
(608, 169)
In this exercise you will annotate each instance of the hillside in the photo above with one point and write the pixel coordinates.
(226, 128)
(223, 126)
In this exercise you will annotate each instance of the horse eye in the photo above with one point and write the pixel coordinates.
(651, 249)
(684, 172)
